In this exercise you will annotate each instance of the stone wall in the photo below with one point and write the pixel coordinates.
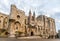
(41, 25)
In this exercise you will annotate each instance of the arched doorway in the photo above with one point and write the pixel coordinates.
(17, 25)
(32, 33)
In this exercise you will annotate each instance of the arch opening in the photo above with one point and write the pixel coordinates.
(32, 33)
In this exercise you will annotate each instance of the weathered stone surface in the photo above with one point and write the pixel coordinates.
(14, 39)
(18, 23)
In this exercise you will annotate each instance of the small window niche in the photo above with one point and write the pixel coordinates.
(0, 21)
(18, 16)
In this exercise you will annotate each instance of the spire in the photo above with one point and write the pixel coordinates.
(34, 16)
(30, 12)
(30, 16)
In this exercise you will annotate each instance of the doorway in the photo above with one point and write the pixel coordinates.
(32, 34)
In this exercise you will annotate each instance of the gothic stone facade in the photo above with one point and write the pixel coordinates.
(41, 25)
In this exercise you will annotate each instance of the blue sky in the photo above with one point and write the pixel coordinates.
(50, 8)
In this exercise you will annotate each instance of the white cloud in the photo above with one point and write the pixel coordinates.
(47, 7)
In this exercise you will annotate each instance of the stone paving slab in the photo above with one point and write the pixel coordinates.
(14, 39)
(30, 37)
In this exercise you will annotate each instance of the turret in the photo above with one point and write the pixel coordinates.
(13, 8)
(13, 11)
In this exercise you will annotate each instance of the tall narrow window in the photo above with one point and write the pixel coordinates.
(43, 32)
(16, 27)
(25, 21)
(49, 23)
(0, 21)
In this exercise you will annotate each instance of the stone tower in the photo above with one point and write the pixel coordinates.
(17, 21)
